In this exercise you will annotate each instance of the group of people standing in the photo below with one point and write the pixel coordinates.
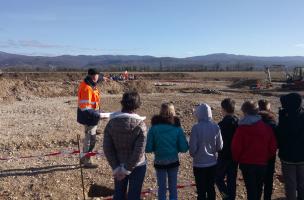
(218, 150)
(122, 77)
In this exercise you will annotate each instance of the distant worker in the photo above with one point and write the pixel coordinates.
(126, 75)
(88, 113)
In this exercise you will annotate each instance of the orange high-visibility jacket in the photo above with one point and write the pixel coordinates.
(88, 105)
(88, 97)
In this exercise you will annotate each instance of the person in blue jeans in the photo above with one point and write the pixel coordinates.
(226, 167)
(134, 181)
(166, 139)
(124, 147)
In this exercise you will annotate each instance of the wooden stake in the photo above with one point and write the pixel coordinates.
(82, 182)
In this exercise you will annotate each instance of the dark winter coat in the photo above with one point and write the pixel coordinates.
(228, 127)
(291, 129)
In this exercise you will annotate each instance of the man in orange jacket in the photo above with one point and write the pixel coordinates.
(88, 113)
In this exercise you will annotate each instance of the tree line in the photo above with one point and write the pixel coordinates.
(143, 68)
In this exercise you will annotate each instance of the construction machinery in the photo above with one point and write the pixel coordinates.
(294, 81)
(269, 83)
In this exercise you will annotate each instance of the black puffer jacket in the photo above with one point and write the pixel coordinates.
(228, 127)
(291, 129)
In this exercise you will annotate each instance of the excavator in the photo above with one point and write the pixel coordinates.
(294, 81)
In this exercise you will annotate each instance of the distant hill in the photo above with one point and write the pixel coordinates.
(219, 61)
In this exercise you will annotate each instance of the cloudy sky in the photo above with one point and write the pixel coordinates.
(179, 28)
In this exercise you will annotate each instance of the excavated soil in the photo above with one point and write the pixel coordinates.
(39, 117)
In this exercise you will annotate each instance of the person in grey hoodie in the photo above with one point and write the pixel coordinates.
(205, 142)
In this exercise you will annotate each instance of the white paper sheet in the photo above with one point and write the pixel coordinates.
(105, 115)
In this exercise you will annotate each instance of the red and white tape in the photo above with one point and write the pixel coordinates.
(154, 190)
(57, 153)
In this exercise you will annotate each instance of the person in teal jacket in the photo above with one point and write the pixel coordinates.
(166, 139)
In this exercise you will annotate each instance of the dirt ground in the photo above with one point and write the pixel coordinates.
(38, 116)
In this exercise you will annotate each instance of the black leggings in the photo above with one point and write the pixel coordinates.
(205, 180)
(253, 177)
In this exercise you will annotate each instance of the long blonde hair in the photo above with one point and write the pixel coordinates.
(167, 110)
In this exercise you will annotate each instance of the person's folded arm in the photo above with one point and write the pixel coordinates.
(182, 142)
(109, 148)
(150, 141)
(139, 147)
(236, 145)
(193, 142)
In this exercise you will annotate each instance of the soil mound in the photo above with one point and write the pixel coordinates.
(114, 87)
(25, 89)
(245, 83)
(111, 87)
(140, 86)
(17, 89)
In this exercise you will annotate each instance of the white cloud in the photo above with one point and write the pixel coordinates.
(301, 45)
(42, 45)
(33, 46)
(40, 17)
(189, 53)
(36, 54)
(29, 44)
(37, 44)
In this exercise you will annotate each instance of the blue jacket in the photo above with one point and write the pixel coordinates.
(166, 141)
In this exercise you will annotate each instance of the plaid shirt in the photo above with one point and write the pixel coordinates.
(124, 141)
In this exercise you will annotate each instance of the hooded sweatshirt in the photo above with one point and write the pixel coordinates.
(205, 139)
(125, 140)
(253, 142)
